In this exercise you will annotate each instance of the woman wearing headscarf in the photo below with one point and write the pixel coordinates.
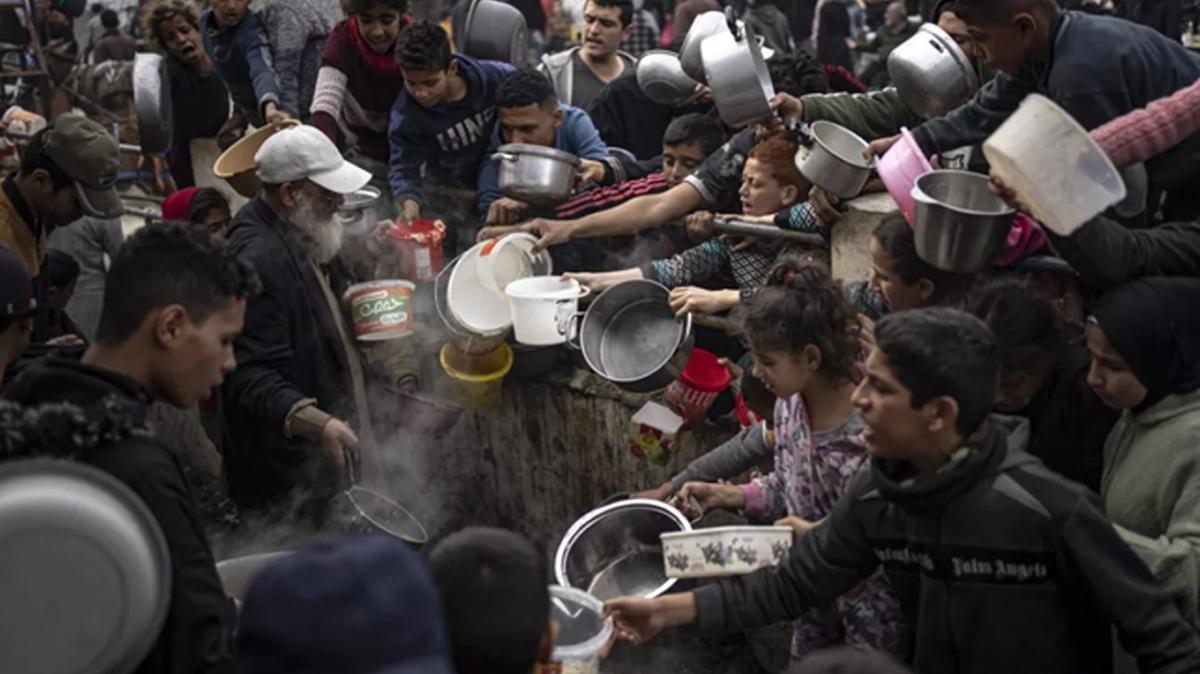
(1145, 344)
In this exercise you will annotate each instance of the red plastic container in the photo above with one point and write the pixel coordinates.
(702, 381)
(419, 248)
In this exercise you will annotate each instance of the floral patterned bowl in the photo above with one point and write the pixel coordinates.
(723, 551)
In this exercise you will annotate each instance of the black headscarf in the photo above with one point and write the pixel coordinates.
(1154, 323)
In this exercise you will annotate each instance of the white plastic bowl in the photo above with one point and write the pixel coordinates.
(1043, 154)
(479, 309)
(582, 629)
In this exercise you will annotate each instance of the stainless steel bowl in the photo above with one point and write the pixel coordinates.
(360, 212)
(737, 74)
(959, 224)
(629, 335)
(152, 103)
(932, 73)
(835, 161)
(495, 31)
(660, 76)
(614, 550)
(537, 175)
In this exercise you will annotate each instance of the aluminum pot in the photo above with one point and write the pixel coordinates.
(541, 176)
(660, 76)
(932, 73)
(835, 160)
(703, 27)
(495, 31)
(85, 573)
(959, 224)
(737, 74)
(152, 103)
(360, 212)
(629, 335)
(614, 550)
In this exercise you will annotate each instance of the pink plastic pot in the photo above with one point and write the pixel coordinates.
(702, 381)
(899, 169)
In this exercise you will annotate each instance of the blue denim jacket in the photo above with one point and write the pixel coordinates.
(242, 56)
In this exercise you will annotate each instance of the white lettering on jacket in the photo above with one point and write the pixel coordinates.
(467, 132)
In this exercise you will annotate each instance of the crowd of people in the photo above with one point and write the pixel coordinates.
(984, 472)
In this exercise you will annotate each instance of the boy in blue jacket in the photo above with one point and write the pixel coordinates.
(236, 40)
(530, 113)
(441, 122)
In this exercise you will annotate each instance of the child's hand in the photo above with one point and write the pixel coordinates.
(660, 493)
(735, 370)
(825, 205)
(687, 299)
(274, 115)
(799, 525)
(700, 226)
(590, 171)
(710, 495)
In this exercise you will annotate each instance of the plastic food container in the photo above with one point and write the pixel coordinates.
(1059, 172)
(899, 169)
(380, 309)
(541, 307)
(652, 433)
(418, 245)
(698, 386)
(478, 379)
(723, 551)
(582, 631)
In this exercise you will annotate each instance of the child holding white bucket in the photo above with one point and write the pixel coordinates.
(803, 334)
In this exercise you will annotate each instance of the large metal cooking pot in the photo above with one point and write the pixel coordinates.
(932, 73)
(85, 575)
(152, 103)
(237, 573)
(629, 335)
(360, 212)
(660, 76)
(959, 224)
(614, 550)
(737, 74)
(835, 160)
(495, 31)
(537, 175)
(703, 27)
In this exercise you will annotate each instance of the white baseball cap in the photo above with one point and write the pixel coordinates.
(304, 152)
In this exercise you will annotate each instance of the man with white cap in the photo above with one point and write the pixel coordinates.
(299, 388)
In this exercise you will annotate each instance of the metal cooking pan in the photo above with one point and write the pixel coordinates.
(762, 231)
(378, 512)
(85, 573)
(737, 74)
(152, 103)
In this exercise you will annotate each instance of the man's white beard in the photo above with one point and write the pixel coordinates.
(322, 236)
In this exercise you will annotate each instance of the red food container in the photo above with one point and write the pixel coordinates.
(418, 246)
(702, 381)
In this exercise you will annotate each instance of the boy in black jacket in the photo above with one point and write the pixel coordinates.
(1000, 565)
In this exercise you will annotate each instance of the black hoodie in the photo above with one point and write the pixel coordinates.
(999, 564)
(197, 632)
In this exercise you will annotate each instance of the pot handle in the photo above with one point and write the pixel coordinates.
(504, 156)
(352, 468)
(731, 19)
(568, 326)
(687, 327)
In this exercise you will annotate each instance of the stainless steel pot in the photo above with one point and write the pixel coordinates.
(762, 231)
(152, 103)
(85, 574)
(703, 27)
(835, 161)
(629, 335)
(537, 175)
(360, 212)
(495, 31)
(660, 76)
(237, 573)
(932, 73)
(614, 550)
(959, 224)
(737, 74)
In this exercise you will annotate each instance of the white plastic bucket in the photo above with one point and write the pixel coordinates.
(1043, 154)
(540, 307)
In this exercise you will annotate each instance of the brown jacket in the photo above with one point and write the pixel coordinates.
(17, 227)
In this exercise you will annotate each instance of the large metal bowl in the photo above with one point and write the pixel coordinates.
(152, 103)
(959, 224)
(542, 176)
(85, 574)
(495, 31)
(614, 550)
(660, 76)
(932, 73)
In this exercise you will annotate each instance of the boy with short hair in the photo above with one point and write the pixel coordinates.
(999, 564)
(495, 601)
(235, 37)
(442, 121)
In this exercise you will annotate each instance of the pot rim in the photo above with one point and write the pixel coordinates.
(525, 149)
(921, 196)
(684, 331)
(592, 517)
(856, 164)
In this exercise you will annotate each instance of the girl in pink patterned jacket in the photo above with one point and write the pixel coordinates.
(803, 333)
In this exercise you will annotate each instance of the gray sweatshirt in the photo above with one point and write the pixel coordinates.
(735, 456)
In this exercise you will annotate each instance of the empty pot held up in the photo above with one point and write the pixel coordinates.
(835, 162)
(737, 74)
(542, 176)
(932, 73)
(959, 224)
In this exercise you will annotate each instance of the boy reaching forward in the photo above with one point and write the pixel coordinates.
(1000, 565)
(235, 38)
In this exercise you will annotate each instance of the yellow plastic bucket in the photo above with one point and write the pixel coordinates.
(477, 378)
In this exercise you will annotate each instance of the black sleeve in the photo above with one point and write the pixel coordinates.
(824, 563)
(1107, 254)
(1148, 624)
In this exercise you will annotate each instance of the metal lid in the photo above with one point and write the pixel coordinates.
(539, 151)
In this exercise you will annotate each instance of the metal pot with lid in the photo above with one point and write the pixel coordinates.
(541, 176)
(932, 73)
